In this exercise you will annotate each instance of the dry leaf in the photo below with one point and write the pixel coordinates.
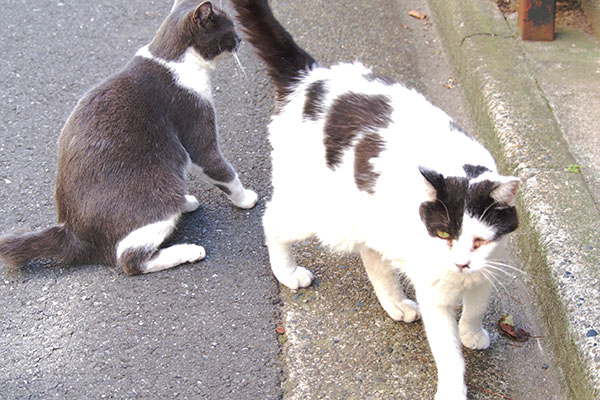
(417, 15)
(449, 84)
(506, 327)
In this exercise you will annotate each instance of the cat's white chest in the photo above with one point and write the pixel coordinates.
(191, 72)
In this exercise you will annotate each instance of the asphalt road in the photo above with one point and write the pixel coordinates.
(199, 331)
(207, 330)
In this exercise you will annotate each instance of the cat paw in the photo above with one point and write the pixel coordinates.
(247, 200)
(191, 204)
(192, 253)
(406, 310)
(478, 340)
(300, 278)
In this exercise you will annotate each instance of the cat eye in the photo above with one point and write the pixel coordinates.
(442, 234)
(477, 243)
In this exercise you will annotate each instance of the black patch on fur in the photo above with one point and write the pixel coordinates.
(224, 189)
(480, 205)
(315, 96)
(372, 77)
(446, 212)
(285, 60)
(455, 197)
(473, 171)
(350, 115)
(370, 146)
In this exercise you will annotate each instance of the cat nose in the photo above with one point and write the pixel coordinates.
(462, 266)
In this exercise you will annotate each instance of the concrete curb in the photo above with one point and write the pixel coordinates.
(559, 240)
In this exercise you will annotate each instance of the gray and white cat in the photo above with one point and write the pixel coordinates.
(369, 166)
(124, 153)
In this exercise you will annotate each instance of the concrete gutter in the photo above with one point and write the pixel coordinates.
(559, 237)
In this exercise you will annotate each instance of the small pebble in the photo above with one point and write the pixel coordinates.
(591, 333)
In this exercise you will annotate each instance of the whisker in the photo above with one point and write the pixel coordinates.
(498, 281)
(485, 275)
(486, 210)
(496, 268)
(239, 63)
(446, 208)
(504, 265)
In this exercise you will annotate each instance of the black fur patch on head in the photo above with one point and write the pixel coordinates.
(369, 147)
(315, 96)
(350, 115)
(473, 171)
(446, 212)
(480, 205)
(455, 197)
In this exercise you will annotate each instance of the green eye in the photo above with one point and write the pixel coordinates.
(442, 234)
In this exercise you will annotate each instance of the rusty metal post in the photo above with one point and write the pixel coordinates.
(536, 19)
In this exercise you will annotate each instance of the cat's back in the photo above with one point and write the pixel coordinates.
(354, 122)
(120, 134)
(135, 92)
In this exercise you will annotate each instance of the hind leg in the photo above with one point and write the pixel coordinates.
(138, 252)
(281, 228)
(386, 282)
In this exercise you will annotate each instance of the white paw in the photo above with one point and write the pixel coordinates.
(477, 340)
(191, 204)
(191, 253)
(247, 200)
(406, 310)
(300, 278)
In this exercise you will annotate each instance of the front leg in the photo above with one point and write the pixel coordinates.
(475, 302)
(386, 282)
(221, 174)
(439, 319)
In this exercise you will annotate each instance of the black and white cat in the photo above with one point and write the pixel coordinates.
(372, 167)
(124, 153)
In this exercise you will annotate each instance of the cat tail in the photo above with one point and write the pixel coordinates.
(285, 60)
(56, 243)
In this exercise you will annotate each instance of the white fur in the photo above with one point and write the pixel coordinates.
(191, 71)
(149, 236)
(311, 199)
(173, 256)
(191, 204)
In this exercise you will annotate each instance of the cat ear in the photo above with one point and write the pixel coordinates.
(202, 13)
(432, 181)
(506, 192)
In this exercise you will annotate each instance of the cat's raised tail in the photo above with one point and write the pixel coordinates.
(56, 242)
(285, 60)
